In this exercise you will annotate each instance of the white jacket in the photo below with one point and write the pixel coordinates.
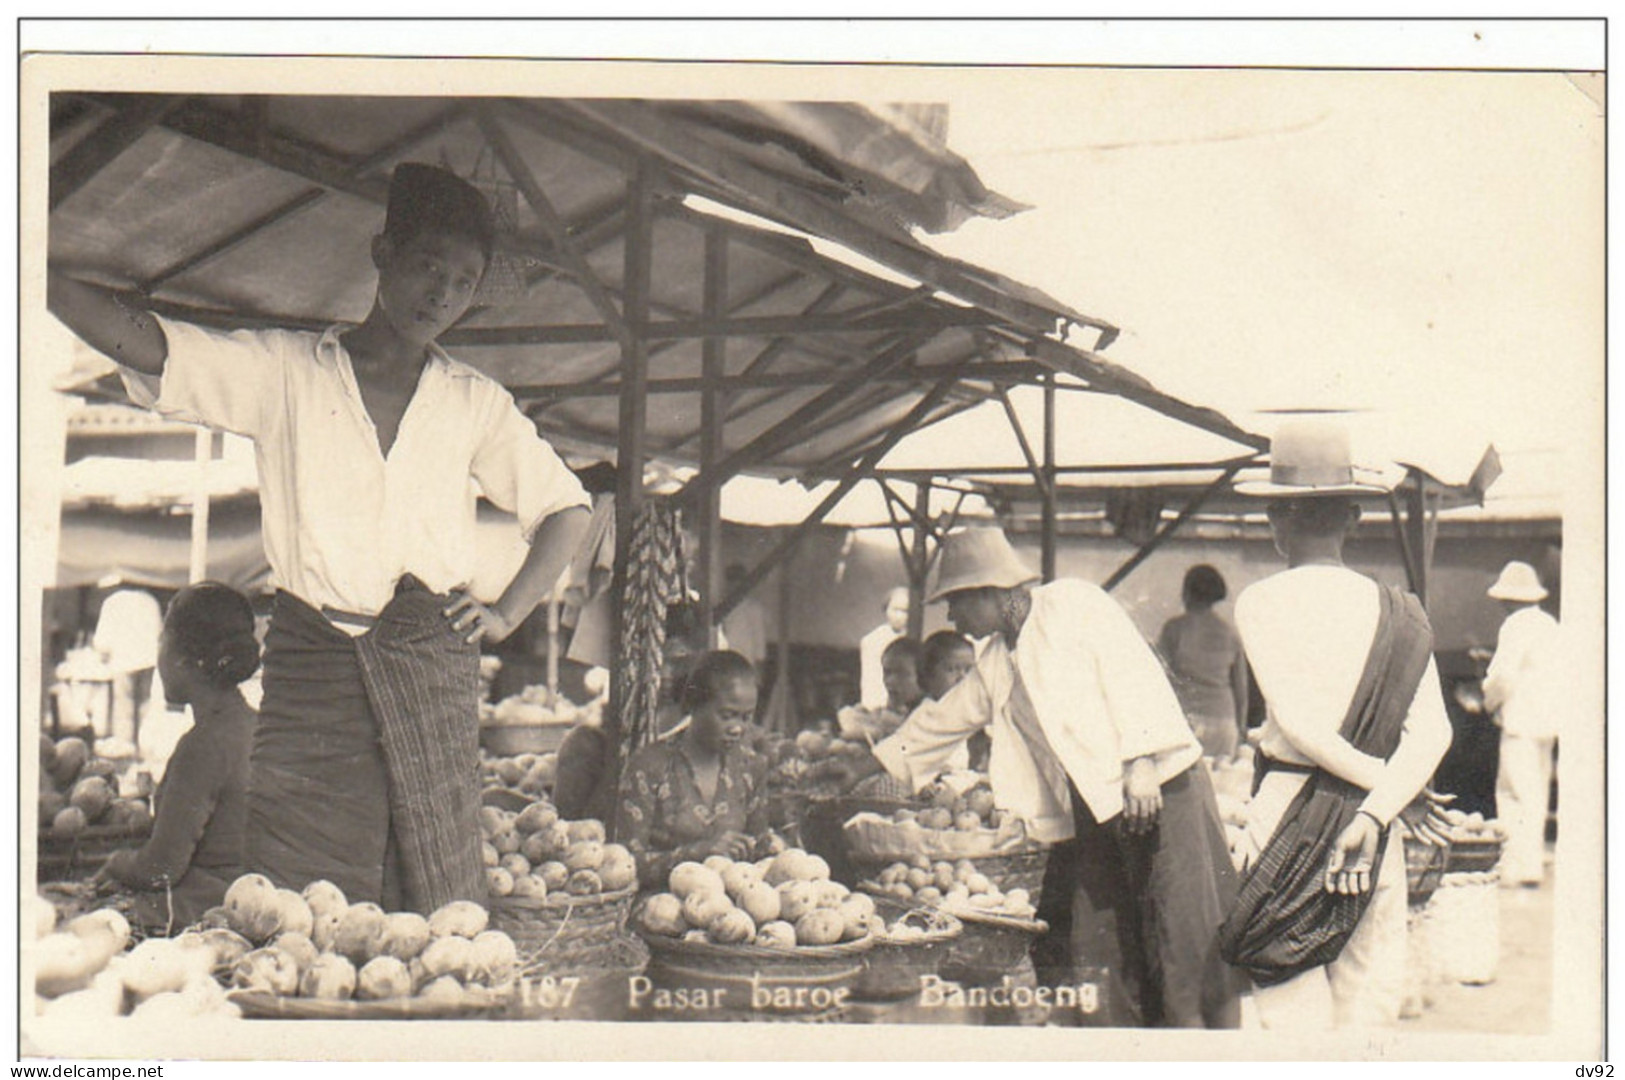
(1097, 695)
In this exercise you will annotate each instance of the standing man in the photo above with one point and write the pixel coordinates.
(1087, 738)
(1356, 725)
(370, 442)
(1523, 690)
(871, 675)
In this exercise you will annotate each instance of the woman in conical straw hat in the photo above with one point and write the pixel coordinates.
(1088, 740)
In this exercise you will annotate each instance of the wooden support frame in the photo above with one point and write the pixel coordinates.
(993, 373)
(502, 143)
(112, 137)
(750, 326)
(1048, 523)
(862, 469)
(236, 238)
(1169, 528)
(793, 427)
(633, 435)
(1040, 476)
(713, 403)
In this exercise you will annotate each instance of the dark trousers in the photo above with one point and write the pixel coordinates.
(1148, 908)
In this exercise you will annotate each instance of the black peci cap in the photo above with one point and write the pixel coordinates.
(424, 197)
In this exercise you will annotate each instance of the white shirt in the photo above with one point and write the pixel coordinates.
(871, 678)
(127, 630)
(1524, 683)
(1307, 633)
(341, 522)
(1081, 694)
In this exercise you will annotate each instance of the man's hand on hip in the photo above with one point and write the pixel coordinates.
(475, 621)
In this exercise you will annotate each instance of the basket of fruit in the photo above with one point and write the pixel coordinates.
(950, 825)
(314, 955)
(1475, 844)
(86, 811)
(913, 944)
(593, 989)
(774, 937)
(556, 887)
(529, 722)
(999, 924)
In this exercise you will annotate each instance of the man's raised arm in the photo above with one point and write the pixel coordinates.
(128, 336)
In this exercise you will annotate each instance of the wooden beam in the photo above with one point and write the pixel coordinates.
(1047, 539)
(994, 373)
(1070, 470)
(1169, 529)
(932, 397)
(919, 564)
(93, 153)
(755, 326)
(714, 361)
(1104, 375)
(235, 238)
(792, 427)
(632, 436)
(757, 191)
(1020, 433)
(1397, 517)
(503, 145)
(414, 135)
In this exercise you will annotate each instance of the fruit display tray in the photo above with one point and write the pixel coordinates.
(261, 1005)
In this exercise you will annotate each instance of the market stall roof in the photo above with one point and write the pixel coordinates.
(258, 210)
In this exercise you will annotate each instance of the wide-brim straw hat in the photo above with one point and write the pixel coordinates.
(979, 558)
(1309, 458)
(1519, 583)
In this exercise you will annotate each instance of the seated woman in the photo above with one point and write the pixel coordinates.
(701, 792)
(206, 649)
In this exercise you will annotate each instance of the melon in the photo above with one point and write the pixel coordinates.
(760, 901)
(72, 754)
(823, 926)
(732, 927)
(690, 877)
(586, 829)
(700, 909)
(464, 918)
(662, 913)
(777, 935)
(331, 978)
(382, 978)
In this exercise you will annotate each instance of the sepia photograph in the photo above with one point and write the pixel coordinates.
(1045, 548)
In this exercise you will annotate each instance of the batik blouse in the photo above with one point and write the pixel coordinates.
(664, 817)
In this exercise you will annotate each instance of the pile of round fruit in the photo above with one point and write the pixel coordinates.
(956, 886)
(1472, 828)
(78, 790)
(534, 705)
(781, 902)
(529, 774)
(970, 811)
(532, 854)
(82, 972)
(316, 944)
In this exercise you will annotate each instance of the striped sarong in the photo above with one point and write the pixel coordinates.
(366, 758)
(1284, 921)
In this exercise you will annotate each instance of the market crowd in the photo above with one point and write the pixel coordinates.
(360, 767)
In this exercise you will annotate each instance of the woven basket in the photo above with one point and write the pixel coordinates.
(991, 947)
(587, 991)
(821, 822)
(508, 740)
(475, 1003)
(892, 970)
(1020, 870)
(562, 931)
(805, 983)
(1465, 930)
(1473, 856)
(1424, 866)
(77, 858)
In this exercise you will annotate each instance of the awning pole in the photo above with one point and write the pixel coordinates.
(917, 564)
(714, 359)
(1047, 542)
(202, 450)
(1151, 545)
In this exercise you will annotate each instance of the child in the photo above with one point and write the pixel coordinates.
(370, 441)
(206, 649)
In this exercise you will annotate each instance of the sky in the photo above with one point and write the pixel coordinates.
(1418, 245)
